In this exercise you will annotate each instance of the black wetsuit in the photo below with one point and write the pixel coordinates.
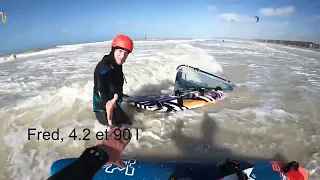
(85, 167)
(108, 80)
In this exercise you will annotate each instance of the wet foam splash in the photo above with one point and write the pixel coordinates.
(64, 102)
(68, 106)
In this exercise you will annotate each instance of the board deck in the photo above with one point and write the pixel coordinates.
(197, 88)
(190, 100)
(139, 169)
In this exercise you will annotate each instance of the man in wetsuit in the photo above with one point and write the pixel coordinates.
(108, 83)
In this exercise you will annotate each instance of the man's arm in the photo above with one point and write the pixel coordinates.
(102, 81)
(85, 167)
(116, 86)
(116, 89)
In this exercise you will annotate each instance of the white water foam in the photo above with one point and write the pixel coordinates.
(55, 91)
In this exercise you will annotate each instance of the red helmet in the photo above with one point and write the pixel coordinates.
(123, 41)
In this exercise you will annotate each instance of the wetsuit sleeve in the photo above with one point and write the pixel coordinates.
(102, 82)
(85, 167)
(116, 88)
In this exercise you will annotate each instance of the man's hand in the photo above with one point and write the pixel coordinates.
(110, 105)
(113, 146)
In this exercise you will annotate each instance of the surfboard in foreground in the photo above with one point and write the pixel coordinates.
(228, 170)
(193, 88)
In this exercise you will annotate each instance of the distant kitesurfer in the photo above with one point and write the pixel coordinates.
(108, 83)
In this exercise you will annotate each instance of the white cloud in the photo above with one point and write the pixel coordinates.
(211, 7)
(316, 18)
(280, 24)
(237, 18)
(280, 12)
(245, 26)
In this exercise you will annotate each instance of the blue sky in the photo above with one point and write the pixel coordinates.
(41, 23)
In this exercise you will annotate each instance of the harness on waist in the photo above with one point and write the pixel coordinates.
(96, 99)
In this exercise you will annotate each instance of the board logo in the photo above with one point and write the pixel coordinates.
(284, 177)
(128, 169)
(276, 167)
(249, 173)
